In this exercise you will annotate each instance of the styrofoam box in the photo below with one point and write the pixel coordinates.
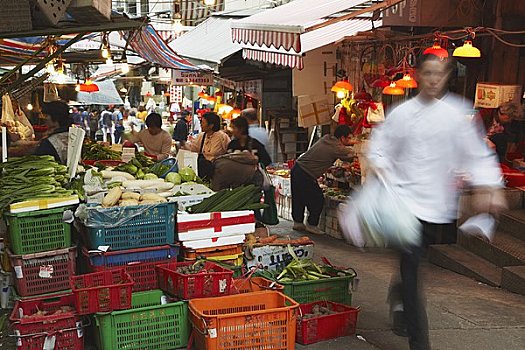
(214, 242)
(245, 224)
(273, 256)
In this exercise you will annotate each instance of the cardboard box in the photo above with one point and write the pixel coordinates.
(273, 256)
(313, 110)
(493, 95)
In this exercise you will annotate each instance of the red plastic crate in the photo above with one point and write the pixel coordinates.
(254, 284)
(104, 291)
(44, 272)
(199, 285)
(65, 326)
(141, 271)
(320, 328)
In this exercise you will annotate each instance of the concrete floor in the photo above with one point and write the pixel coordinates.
(463, 314)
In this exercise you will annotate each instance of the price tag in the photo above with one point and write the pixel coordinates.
(46, 271)
(80, 330)
(49, 343)
(163, 300)
(18, 272)
(212, 332)
(222, 286)
(18, 340)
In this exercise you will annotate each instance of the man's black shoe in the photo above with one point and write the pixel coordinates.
(398, 324)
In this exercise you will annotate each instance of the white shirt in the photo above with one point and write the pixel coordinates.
(259, 133)
(421, 148)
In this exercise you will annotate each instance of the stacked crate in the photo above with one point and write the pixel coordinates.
(43, 260)
(132, 241)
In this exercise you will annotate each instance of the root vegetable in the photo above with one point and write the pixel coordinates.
(112, 197)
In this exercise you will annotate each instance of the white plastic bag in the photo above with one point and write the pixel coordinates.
(377, 217)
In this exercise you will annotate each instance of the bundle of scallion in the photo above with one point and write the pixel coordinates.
(31, 177)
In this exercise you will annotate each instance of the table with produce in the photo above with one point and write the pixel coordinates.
(143, 254)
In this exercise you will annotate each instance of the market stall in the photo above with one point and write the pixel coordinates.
(122, 239)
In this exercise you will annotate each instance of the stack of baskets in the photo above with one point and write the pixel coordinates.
(122, 247)
(42, 259)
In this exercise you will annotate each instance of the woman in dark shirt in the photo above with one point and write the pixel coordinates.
(242, 142)
(59, 121)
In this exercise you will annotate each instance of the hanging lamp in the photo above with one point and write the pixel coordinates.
(342, 85)
(393, 89)
(436, 50)
(407, 82)
(467, 49)
(89, 86)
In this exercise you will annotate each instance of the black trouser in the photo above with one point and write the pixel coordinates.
(306, 193)
(407, 291)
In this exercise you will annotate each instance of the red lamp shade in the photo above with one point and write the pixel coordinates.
(380, 83)
(407, 82)
(88, 86)
(342, 85)
(393, 89)
(219, 94)
(436, 50)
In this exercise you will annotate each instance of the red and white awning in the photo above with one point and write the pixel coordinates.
(286, 40)
(282, 26)
(282, 59)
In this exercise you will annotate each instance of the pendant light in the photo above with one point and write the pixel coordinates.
(393, 89)
(89, 86)
(436, 50)
(407, 82)
(342, 85)
(467, 50)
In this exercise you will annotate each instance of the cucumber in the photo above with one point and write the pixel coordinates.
(231, 203)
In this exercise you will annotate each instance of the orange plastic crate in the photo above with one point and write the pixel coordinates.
(254, 284)
(258, 320)
(192, 254)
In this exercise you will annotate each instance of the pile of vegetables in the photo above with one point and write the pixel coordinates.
(32, 177)
(318, 310)
(303, 270)
(134, 167)
(96, 151)
(197, 267)
(116, 197)
(241, 198)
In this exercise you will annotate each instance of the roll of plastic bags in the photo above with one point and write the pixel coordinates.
(378, 217)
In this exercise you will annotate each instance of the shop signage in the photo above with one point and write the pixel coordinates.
(492, 95)
(180, 77)
(431, 13)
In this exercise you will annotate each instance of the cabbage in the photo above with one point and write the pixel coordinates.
(174, 178)
(187, 174)
(150, 176)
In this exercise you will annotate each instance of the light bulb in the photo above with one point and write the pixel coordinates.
(29, 107)
(105, 52)
(109, 60)
(125, 68)
(50, 68)
(341, 94)
(209, 2)
(177, 26)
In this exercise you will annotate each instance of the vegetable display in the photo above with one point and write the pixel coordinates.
(96, 151)
(240, 198)
(32, 177)
(121, 198)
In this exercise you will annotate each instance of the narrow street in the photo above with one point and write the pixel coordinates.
(463, 314)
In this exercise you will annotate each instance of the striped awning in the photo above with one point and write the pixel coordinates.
(286, 40)
(282, 59)
(148, 44)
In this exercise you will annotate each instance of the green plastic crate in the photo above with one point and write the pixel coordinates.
(147, 325)
(38, 231)
(335, 289)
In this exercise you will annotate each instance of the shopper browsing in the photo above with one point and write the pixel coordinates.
(418, 150)
(306, 192)
(244, 142)
(257, 132)
(58, 121)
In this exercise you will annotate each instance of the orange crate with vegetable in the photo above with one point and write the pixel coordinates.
(258, 320)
